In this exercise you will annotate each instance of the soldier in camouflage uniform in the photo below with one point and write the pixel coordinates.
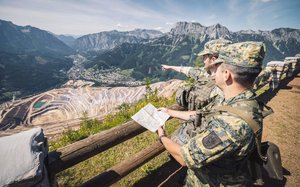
(217, 156)
(196, 94)
(202, 91)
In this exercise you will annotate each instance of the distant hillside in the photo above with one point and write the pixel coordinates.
(108, 40)
(30, 40)
(27, 74)
(31, 60)
(179, 46)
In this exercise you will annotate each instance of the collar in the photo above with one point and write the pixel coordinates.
(248, 94)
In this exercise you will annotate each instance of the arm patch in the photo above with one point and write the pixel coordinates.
(211, 140)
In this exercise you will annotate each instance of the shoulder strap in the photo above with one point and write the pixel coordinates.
(250, 121)
(242, 114)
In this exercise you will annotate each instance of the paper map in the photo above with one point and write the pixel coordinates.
(150, 118)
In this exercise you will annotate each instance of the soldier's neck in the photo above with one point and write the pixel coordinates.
(233, 90)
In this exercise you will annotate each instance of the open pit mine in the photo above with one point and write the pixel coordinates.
(63, 108)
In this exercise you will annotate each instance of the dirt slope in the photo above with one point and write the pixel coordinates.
(283, 129)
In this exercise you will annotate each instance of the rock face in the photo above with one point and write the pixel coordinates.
(108, 40)
(199, 31)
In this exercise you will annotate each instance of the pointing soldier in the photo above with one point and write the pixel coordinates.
(203, 90)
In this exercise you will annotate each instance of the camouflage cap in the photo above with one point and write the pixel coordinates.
(244, 54)
(222, 59)
(214, 46)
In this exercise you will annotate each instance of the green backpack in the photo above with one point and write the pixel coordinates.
(195, 93)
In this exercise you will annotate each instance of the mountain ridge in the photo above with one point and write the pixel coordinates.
(30, 40)
(107, 40)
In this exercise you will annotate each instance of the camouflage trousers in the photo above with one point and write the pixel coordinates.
(184, 133)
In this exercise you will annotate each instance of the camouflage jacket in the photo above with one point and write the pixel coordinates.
(196, 95)
(217, 156)
(202, 101)
(197, 73)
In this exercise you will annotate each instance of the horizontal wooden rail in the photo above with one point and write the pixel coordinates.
(77, 152)
(72, 154)
(122, 169)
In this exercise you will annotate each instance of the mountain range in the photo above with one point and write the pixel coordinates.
(183, 42)
(104, 41)
(140, 51)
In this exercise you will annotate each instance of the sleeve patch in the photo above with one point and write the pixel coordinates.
(211, 140)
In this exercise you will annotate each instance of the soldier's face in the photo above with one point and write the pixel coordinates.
(207, 60)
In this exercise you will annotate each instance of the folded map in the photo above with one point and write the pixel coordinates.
(150, 118)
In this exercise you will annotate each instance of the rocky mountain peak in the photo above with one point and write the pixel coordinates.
(107, 40)
(210, 32)
(184, 28)
(218, 31)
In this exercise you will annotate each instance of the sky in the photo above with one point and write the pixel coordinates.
(80, 17)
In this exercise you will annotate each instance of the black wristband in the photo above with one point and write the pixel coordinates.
(160, 137)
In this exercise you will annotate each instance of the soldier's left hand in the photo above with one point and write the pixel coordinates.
(160, 131)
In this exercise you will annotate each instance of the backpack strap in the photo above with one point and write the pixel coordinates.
(266, 110)
(256, 128)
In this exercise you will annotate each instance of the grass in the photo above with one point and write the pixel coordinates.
(99, 163)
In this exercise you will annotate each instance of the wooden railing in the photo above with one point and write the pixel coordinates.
(77, 152)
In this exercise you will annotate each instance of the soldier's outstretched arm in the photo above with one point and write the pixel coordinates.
(184, 115)
(180, 69)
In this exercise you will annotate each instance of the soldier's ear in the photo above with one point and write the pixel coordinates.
(227, 75)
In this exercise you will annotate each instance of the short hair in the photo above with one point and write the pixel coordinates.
(244, 76)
